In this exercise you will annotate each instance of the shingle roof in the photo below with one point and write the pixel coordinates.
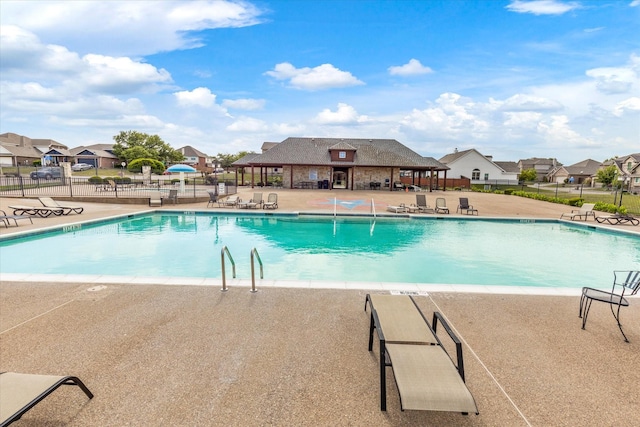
(585, 167)
(368, 152)
(189, 151)
(511, 167)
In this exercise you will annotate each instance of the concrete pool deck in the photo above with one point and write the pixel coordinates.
(192, 355)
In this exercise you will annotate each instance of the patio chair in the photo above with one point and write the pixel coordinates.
(421, 204)
(231, 201)
(272, 201)
(48, 202)
(21, 392)
(426, 376)
(616, 219)
(625, 283)
(173, 196)
(155, 200)
(253, 203)
(42, 212)
(397, 209)
(6, 218)
(585, 211)
(213, 198)
(465, 207)
(441, 205)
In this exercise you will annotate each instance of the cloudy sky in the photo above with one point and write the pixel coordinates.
(511, 78)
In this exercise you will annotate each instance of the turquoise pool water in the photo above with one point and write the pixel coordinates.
(354, 249)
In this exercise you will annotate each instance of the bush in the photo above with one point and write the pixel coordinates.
(509, 191)
(609, 207)
(135, 166)
(577, 201)
(95, 180)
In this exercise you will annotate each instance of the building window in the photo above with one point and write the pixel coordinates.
(486, 177)
(629, 166)
(342, 154)
(475, 175)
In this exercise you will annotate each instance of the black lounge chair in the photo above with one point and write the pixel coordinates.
(465, 207)
(48, 202)
(421, 204)
(625, 283)
(21, 392)
(42, 212)
(6, 219)
(617, 219)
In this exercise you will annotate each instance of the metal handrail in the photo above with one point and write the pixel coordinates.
(254, 252)
(373, 208)
(233, 264)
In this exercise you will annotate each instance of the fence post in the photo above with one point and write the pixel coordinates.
(557, 184)
(70, 187)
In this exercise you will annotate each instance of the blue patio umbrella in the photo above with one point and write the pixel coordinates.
(182, 169)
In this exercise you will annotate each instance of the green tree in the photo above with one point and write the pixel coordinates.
(226, 160)
(131, 145)
(528, 175)
(608, 175)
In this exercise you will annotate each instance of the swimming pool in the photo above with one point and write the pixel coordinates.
(353, 249)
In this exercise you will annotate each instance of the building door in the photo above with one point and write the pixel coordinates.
(340, 177)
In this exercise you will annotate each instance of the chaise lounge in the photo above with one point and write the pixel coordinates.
(585, 211)
(425, 375)
(48, 202)
(6, 219)
(21, 392)
(42, 212)
(617, 219)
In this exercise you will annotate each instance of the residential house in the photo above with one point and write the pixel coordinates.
(21, 150)
(574, 174)
(196, 158)
(629, 171)
(542, 166)
(479, 168)
(98, 155)
(341, 163)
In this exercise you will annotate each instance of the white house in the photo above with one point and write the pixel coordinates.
(479, 168)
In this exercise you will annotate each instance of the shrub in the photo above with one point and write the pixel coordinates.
(610, 208)
(135, 166)
(509, 191)
(577, 201)
(95, 180)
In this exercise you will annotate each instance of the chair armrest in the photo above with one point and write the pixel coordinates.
(460, 365)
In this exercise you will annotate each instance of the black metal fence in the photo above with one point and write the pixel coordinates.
(20, 186)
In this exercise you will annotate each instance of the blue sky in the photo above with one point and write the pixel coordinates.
(513, 79)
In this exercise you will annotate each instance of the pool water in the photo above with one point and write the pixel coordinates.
(353, 249)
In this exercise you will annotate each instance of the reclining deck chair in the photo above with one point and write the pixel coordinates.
(272, 201)
(48, 202)
(7, 218)
(21, 392)
(441, 205)
(421, 204)
(626, 282)
(585, 211)
(426, 376)
(466, 207)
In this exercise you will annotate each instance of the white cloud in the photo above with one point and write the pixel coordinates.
(345, 114)
(412, 68)
(634, 3)
(631, 104)
(120, 75)
(127, 28)
(614, 79)
(542, 7)
(248, 124)
(522, 102)
(244, 104)
(324, 76)
(201, 97)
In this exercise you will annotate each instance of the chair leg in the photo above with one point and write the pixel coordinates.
(616, 315)
(585, 312)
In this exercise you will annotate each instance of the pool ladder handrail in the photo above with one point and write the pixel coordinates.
(254, 253)
(233, 264)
